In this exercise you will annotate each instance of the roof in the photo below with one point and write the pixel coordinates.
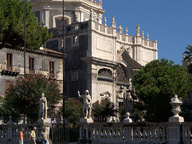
(43, 51)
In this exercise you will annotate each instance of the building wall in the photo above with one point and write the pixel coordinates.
(74, 62)
(41, 66)
(77, 10)
(98, 47)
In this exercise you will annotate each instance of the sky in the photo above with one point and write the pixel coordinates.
(167, 21)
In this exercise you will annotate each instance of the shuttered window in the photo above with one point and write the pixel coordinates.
(31, 65)
(9, 61)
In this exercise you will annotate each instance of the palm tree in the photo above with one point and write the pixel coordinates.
(188, 53)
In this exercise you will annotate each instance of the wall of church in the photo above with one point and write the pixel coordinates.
(103, 47)
(102, 83)
(75, 67)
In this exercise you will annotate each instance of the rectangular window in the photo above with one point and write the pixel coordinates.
(31, 65)
(51, 69)
(61, 43)
(75, 40)
(74, 75)
(9, 62)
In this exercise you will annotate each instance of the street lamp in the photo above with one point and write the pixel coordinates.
(64, 131)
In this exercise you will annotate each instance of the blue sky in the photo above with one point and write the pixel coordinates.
(167, 21)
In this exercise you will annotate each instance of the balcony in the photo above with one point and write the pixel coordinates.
(31, 71)
(10, 70)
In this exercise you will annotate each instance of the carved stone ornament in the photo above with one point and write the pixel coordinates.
(105, 95)
(123, 48)
(94, 75)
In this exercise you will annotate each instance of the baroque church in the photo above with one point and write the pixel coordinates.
(99, 58)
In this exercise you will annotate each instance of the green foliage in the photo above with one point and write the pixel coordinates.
(74, 134)
(23, 96)
(73, 110)
(103, 110)
(156, 84)
(186, 111)
(189, 67)
(12, 26)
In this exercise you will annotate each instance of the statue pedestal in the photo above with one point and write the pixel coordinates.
(176, 119)
(86, 120)
(127, 118)
(42, 121)
(85, 129)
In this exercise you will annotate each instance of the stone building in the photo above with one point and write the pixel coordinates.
(100, 58)
(43, 61)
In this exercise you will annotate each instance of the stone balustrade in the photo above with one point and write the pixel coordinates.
(9, 133)
(110, 31)
(135, 133)
(91, 2)
(175, 131)
(107, 31)
(128, 133)
(187, 132)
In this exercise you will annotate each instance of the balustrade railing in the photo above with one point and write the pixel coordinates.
(10, 133)
(187, 133)
(4, 67)
(129, 133)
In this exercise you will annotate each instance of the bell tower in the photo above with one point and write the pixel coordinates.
(49, 12)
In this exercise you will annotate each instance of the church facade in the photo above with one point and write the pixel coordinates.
(100, 58)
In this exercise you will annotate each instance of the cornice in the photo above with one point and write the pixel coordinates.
(99, 61)
(40, 52)
(81, 3)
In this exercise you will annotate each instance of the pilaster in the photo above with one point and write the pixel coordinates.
(46, 16)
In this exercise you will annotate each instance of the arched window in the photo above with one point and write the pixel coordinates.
(57, 20)
(105, 74)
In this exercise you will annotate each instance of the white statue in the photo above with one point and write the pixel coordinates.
(87, 103)
(129, 102)
(43, 107)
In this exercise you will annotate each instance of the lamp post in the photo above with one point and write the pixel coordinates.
(64, 130)
(24, 47)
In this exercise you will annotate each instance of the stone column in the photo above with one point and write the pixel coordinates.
(85, 130)
(128, 130)
(10, 124)
(46, 16)
(175, 121)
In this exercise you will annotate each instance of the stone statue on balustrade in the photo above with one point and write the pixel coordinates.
(129, 101)
(43, 107)
(87, 104)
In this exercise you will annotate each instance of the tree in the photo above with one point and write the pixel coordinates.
(22, 97)
(188, 53)
(103, 110)
(155, 85)
(186, 111)
(12, 26)
(73, 110)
